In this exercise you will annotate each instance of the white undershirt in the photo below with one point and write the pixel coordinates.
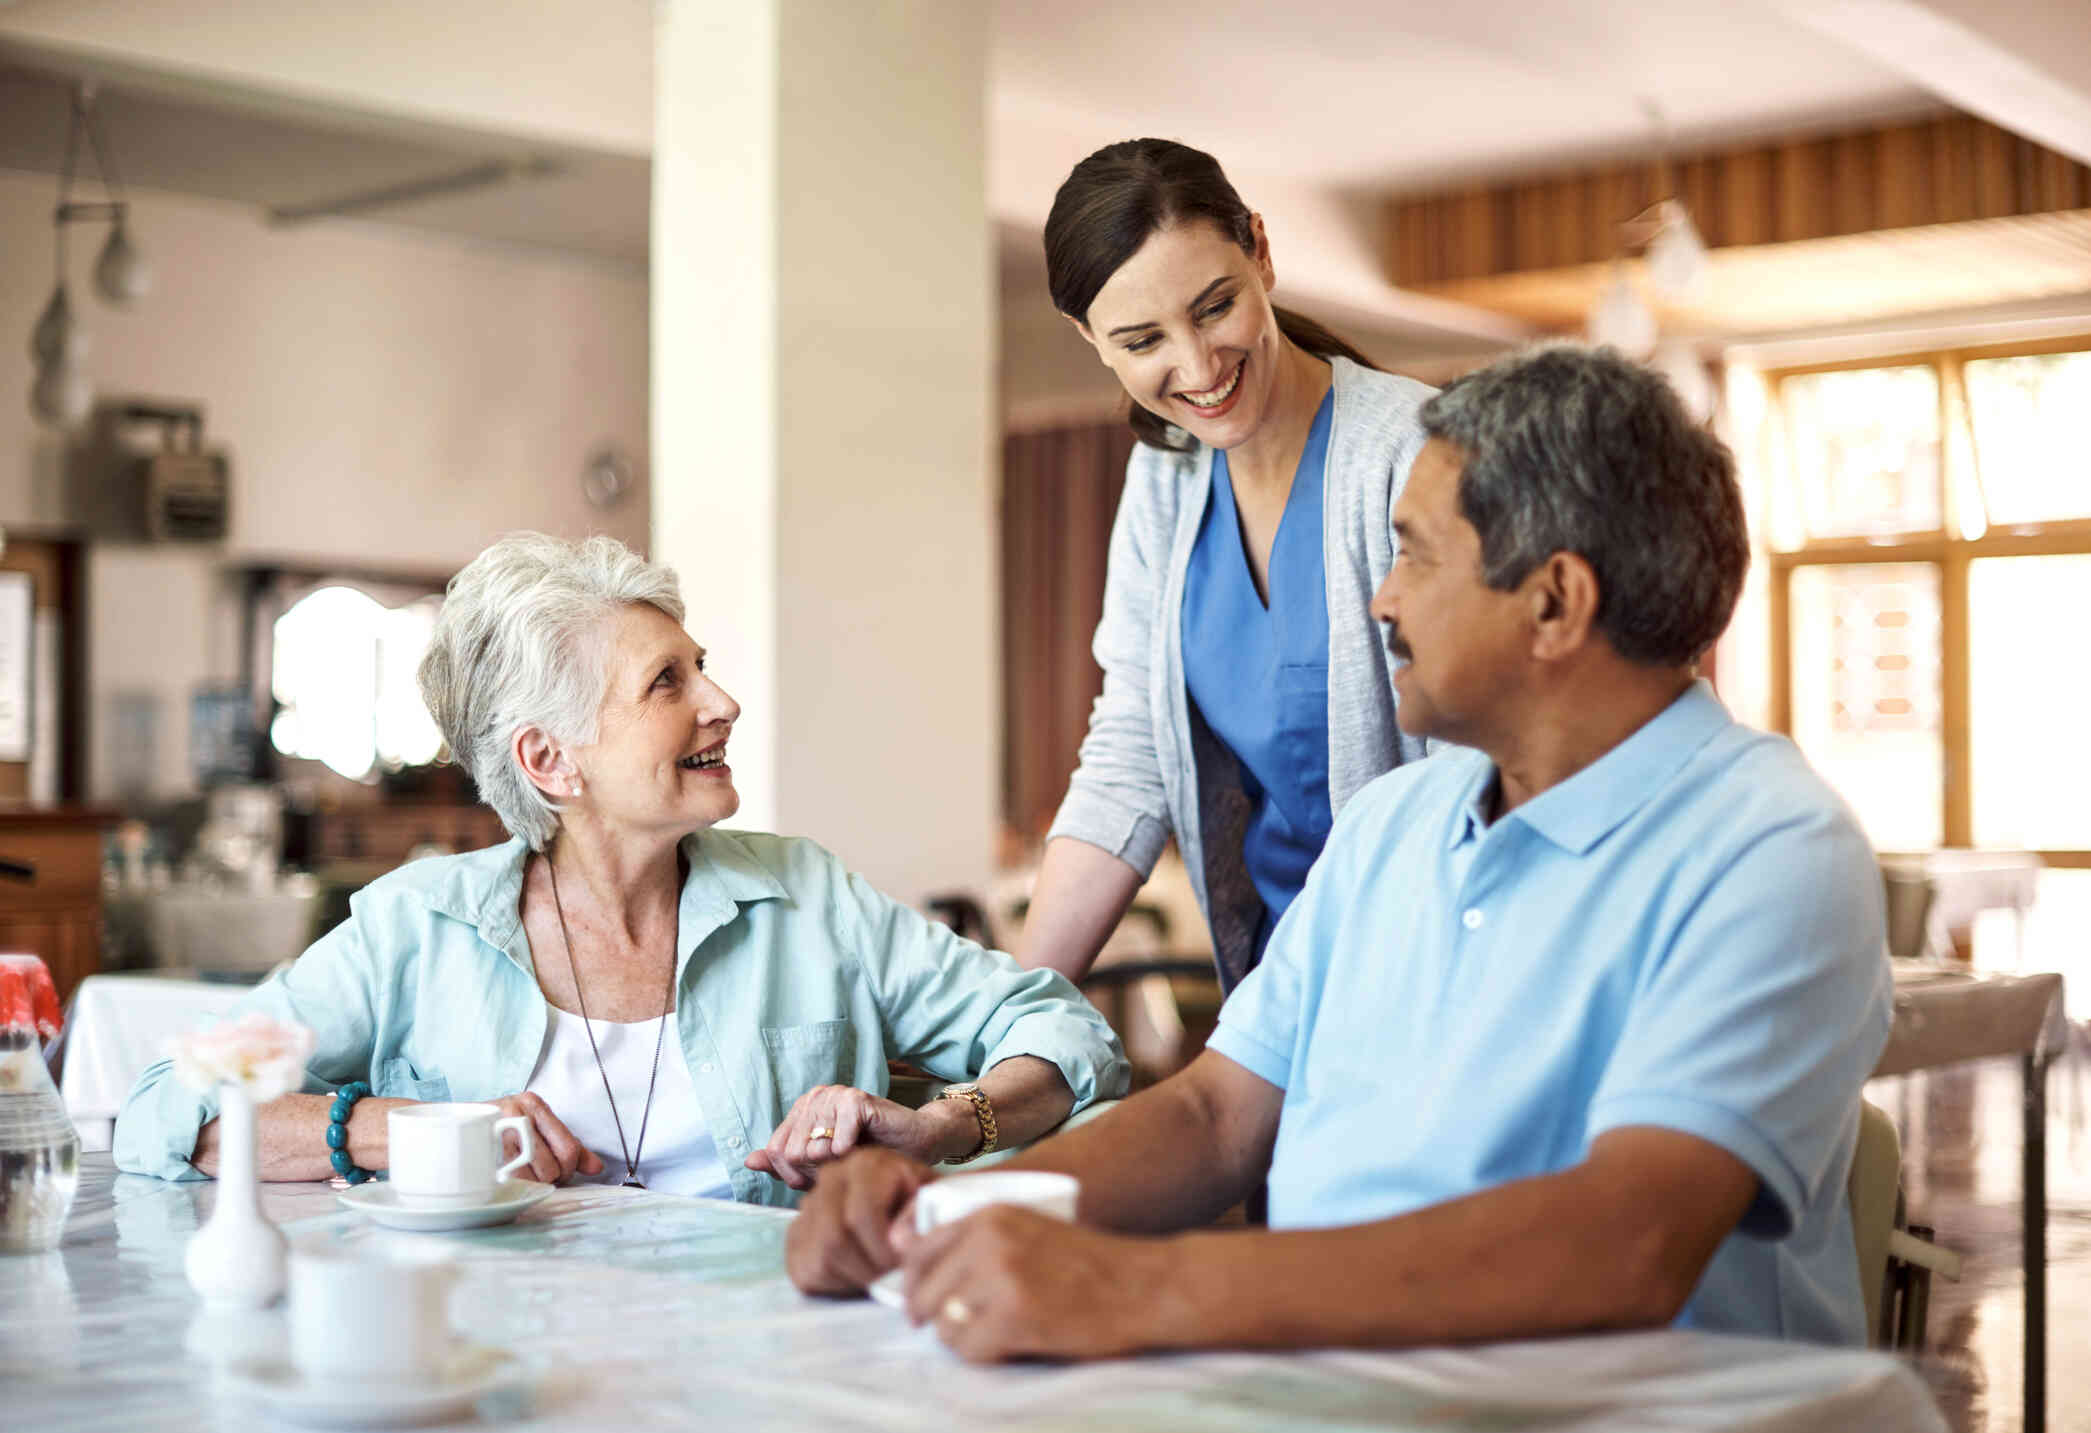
(680, 1156)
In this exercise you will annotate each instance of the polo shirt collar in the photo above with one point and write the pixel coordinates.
(1581, 811)
(1470, 817)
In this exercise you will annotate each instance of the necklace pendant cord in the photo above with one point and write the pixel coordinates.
(632, 1154)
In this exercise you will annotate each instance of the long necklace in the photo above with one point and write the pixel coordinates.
(632, 1154)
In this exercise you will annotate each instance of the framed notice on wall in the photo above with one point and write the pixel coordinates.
(17, 664)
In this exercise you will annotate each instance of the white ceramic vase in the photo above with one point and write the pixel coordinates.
(237, 1259)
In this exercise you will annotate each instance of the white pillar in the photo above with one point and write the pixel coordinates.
(823, 449)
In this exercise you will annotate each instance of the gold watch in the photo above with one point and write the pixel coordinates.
(983, 1111)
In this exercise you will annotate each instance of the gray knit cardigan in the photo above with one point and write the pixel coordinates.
(1150, 767)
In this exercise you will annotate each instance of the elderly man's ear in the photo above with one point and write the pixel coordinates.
(1563, 596)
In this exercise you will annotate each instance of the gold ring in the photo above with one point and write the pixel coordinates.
(822, 1133)
(955, 1310)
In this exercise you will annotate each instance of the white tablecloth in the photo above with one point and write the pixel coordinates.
(118, 1025)
(636, 1311)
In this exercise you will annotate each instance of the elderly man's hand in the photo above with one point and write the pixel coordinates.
(844, 1235)
(829, 1121)
(1008, 1282)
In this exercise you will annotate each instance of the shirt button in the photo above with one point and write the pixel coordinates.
(733, 1141)
(705, 1068)
(1472, 919)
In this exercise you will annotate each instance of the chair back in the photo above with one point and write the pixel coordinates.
(1876, 1192)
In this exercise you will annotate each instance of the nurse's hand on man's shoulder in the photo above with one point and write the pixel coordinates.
(829, 1121)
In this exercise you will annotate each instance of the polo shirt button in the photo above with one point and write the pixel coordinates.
(733, 1141)
(1472, 919)
(705, 1068)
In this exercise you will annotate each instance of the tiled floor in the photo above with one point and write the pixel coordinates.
(1961, 1139)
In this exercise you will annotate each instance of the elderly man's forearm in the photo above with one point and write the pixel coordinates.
(1171, 1157)
(1534, 1258)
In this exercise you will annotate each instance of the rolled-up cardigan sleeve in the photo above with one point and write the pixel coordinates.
(332, 988)
(958, 1009)
(1115, 799)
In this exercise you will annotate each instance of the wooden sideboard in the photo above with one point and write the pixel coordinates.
(57, 914)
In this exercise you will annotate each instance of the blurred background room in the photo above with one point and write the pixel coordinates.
(302, 306)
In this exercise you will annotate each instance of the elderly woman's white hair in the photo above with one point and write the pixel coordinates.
(523, 640)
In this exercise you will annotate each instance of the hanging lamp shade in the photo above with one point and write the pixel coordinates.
(1622, 320)
(1677, 255)
(121, 274)
(61, 395)
(56, 336)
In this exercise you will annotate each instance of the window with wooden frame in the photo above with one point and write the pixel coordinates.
(1929, 520)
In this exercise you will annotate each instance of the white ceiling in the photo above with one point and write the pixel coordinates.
(1317, 107)
(1392, 93)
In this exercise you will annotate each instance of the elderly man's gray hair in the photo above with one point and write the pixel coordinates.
(1572, 449)
(523, 640)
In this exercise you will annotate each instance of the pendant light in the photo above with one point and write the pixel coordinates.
(62, 393)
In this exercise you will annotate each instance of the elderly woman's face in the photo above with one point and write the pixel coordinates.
(659, 758)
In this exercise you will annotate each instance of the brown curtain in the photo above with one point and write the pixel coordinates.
(1060, 492)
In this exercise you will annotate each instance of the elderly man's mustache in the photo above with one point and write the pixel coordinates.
(1399, 648)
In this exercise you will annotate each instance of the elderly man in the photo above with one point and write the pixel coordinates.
(1566, 1031)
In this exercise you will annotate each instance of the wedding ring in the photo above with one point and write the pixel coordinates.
(822, 1133)
(956, 1311)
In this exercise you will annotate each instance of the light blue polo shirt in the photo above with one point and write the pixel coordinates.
(1687, 934)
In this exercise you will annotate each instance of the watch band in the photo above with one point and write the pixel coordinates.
(983, 1111)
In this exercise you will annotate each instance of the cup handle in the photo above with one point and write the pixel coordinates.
(525, 1136)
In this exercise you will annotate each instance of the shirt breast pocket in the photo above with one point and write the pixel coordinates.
(398, 1079)
(803, 1056)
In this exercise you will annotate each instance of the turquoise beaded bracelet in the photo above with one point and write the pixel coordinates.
(337, 1132)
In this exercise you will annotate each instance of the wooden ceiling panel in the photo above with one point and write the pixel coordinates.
(1777, 287)
(1945, 213)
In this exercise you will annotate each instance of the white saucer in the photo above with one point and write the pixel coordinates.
(383, 1203)
(472, 1373)
(890, 1289)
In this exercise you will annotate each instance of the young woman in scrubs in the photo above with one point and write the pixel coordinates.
(1247, 690)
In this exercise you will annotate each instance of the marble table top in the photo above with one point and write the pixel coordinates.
(629, 1309)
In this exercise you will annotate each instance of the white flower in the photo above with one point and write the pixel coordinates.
(264, 1057)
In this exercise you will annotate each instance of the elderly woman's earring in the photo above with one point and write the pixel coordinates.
(577, 788)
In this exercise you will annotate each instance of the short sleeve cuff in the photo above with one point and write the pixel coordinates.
(1271, 1066)
(1781, 1191)
(1132, 836)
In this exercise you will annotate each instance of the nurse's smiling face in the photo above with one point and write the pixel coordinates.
(1186, 325)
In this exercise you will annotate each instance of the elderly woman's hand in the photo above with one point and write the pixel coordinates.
(558, 1154)
(829, 1121)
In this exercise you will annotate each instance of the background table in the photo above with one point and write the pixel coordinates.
(118, 1025)
(1944, 1016)
(637, 1310)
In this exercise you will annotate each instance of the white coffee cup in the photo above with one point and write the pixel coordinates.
(944, 1200)
(449, 1156)
(363, 1314)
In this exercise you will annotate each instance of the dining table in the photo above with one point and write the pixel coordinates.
(631, 1309)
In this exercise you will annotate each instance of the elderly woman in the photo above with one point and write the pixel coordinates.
(545, 974)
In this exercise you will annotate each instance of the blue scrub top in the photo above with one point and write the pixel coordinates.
(1260, 676)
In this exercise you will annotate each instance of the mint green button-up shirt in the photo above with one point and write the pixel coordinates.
(791, 972)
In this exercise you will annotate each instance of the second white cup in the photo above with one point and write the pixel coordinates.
(955, 1196)
(358, 1315)
(449, 1156)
